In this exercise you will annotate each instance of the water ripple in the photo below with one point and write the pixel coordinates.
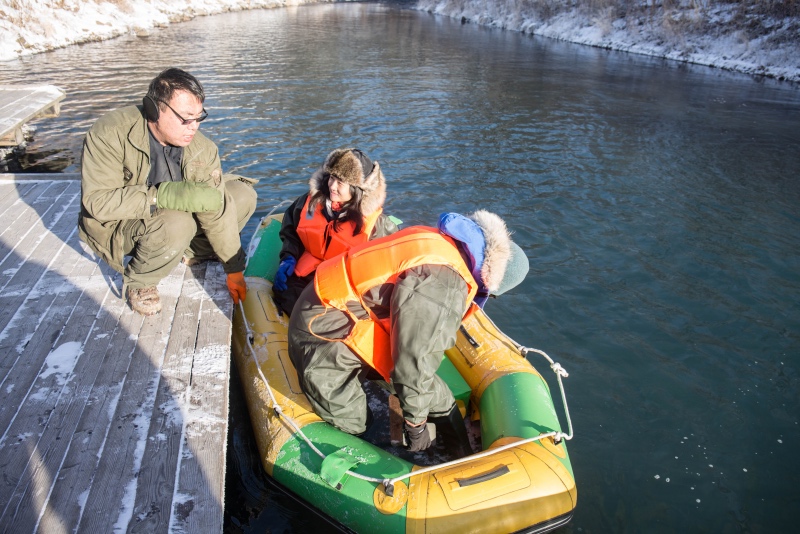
(658, 206)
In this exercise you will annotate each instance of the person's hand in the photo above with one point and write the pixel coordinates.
(188, 196)
(237, 287)
(418, 437)
(285, 270)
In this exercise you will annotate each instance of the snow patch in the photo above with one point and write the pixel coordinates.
(61, 361)
(666, 34)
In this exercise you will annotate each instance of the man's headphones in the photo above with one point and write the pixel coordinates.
(151, 111)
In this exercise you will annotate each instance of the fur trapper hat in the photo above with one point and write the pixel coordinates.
(351, 166)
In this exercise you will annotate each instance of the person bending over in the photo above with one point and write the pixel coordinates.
(388, 309)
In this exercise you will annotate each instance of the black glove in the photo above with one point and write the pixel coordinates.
(417, 437)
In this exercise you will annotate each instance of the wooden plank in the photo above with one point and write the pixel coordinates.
(110, 345)
(12, 206)
(20, 177)
(27, 241)
(20, 104)
(12, 192)
(58, 394)
(157, 479)
(22, 300)
(37, 325)
(43, 312)
(24, 305)
(200, 491)
(109, 504)
(138, 417)
(16, 208)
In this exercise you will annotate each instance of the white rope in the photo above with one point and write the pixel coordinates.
(476, 456)
(276, 407)
(557, 369)
(282, 203)
(389, 483)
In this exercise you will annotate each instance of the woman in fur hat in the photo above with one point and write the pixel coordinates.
(343, 208)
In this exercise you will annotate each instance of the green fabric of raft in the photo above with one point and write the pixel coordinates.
(300, 469)
(266, 240)
(504, 415)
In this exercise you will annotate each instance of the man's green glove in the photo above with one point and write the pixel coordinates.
(188, 196)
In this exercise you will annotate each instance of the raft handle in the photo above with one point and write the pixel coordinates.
(500, 471)
(469, 338)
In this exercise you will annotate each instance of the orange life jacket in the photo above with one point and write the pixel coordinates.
(322, 243)
(349, 276)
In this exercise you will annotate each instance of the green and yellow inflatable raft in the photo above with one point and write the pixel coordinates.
(522, 480)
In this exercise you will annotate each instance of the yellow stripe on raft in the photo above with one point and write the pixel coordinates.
(494, 357)
(531, 491)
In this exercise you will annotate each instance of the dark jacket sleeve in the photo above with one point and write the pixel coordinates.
(292, 246)
(427, 306)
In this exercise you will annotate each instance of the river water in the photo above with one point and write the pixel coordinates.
(658, 203)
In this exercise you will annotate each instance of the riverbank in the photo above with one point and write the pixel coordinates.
(34, 26)
(723, 35)
(744, 37)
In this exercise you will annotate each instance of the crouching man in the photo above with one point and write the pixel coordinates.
(152, 188)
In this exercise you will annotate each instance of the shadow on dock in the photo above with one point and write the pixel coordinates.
(108, 420)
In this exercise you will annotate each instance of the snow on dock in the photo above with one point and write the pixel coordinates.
(20, 104)
(109, 421)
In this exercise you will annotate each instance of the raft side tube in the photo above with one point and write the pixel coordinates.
(265, 238)
(298, 468)
(516, 490)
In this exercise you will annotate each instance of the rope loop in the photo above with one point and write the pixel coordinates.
(560, 371)
(275, 208)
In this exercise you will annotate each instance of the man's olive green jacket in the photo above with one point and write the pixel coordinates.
(114, 171)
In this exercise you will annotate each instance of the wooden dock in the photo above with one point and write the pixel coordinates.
(20, 104)
(109, 421)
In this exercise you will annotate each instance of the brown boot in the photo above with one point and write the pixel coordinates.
(145, 300)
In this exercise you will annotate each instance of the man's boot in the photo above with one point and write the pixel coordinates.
(453, 432)
(145, 300)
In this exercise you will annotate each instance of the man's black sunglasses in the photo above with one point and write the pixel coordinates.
(185, 122)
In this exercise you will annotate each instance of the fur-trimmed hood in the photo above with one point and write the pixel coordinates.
(486, 240)
(496, 250)
(496, 262)
(349, 166)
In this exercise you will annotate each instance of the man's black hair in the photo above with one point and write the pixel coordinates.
(174, 79)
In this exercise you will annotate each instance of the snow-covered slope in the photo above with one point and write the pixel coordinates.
(701, 32)
(31, 26)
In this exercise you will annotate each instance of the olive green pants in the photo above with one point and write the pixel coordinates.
(332, 376)
(158, 244)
